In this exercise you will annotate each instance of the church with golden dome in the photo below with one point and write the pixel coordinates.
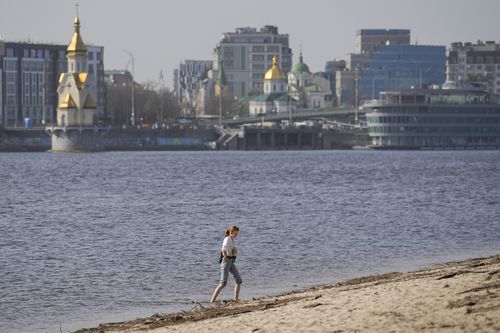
(77, 113)
(77, 89)
(275, 98)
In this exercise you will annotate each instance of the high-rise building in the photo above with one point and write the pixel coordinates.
(395, 67)
(345, 82)
(29, 79)
(368, 40)
(118, 77)
(331, 68)
(478, 63)
(386, 61)
(188, 77)
(247, 53)
(96, 67)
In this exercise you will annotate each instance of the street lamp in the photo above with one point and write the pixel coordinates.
(220, 106)
(356, 96)
(132, 116)
(261, 115)
(162, 90)
(289, 104)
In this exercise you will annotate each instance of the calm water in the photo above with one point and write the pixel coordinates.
(87, 238)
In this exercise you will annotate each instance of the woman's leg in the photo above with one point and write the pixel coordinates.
(217, 292)
(237, 277)
(224, 273)
(237, 292)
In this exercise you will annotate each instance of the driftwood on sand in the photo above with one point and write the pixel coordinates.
(454, 297)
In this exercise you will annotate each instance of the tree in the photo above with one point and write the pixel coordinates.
(230, 107)
(151, 105)
(119, 104)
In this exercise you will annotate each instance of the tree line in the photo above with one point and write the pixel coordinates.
(159, 105)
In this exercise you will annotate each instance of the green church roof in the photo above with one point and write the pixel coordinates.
(282, 97)
(300, 67)
(312, 88)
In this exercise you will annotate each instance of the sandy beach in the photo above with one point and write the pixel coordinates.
(453, 297)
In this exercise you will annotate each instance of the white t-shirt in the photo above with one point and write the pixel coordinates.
(228, 245)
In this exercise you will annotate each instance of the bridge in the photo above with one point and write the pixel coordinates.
(296, 116)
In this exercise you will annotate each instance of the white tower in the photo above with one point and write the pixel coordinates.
(77, 126)
(275, 80)
(77, 88)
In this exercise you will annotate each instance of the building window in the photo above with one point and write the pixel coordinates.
(273, 49)
(257, 57)
(258, 48)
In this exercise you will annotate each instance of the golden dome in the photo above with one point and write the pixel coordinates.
(77, 45)
(274, 72)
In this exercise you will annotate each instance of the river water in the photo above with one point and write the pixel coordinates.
(90, 238)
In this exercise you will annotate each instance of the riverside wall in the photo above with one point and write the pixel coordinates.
(296, 138)
(176, 138)
(192, 138)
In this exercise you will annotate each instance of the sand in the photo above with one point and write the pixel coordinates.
(454, 297)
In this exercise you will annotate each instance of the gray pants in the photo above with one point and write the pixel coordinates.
(225, 268)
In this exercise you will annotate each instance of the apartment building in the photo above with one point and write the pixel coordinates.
(29, 79)
(188, 76)
(478, 63)
(247, 53)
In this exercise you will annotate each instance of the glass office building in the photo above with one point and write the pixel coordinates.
(394, 67)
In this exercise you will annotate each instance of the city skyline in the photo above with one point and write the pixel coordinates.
(164, 34)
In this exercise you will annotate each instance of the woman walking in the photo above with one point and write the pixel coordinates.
(229, 253)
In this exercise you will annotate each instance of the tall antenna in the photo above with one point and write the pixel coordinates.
(76, 5)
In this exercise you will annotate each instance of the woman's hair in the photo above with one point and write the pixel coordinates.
(231, 229)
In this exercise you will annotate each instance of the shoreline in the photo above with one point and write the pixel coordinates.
(457, 296)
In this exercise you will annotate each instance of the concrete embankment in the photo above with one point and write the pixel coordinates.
(193, 138)
(176, 138)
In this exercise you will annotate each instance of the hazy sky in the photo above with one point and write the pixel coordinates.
(161, 33)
